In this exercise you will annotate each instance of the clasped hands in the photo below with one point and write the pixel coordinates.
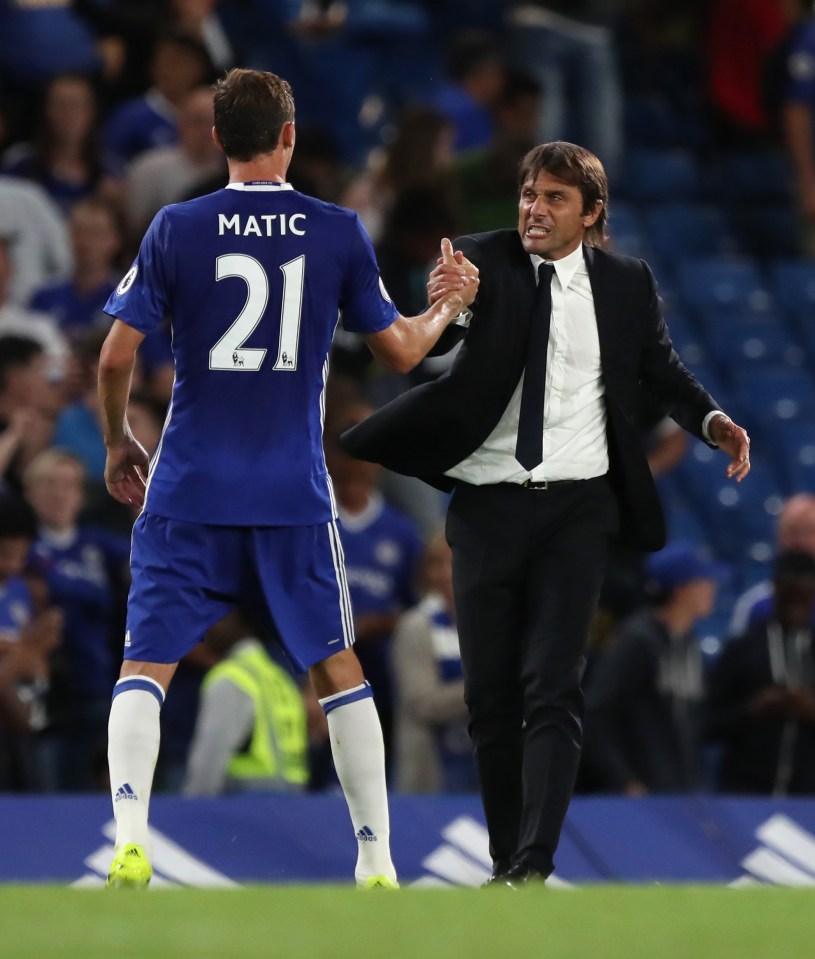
(453, 274)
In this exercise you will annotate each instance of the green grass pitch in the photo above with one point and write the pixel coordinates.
(600, 922)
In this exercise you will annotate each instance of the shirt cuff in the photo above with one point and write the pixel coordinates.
(706, 424)
(463, 319)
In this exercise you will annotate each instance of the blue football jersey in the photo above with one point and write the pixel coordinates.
(16, 608)
(254, 278)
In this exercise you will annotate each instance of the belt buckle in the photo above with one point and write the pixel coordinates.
(540, 485)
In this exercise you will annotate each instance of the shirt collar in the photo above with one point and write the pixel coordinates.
(565, 267)
(259, 185)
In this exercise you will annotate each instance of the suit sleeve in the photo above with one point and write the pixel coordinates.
(663, 374)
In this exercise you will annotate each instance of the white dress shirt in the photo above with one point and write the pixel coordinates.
(574, 423)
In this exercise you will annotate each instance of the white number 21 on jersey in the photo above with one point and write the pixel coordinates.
(229, 352)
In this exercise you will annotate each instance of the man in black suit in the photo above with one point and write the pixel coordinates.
(533, 428)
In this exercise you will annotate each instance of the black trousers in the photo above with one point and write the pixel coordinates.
(527, 570)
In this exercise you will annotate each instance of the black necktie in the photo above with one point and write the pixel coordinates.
(529, 448)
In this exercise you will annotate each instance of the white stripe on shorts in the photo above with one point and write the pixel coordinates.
(342, 583)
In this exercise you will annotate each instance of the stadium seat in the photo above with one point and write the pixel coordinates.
(711, 377)
(687, 340)
(794, 444)
(735, 341)
(755, 174)
(767, 231)
(740, 517)
(627, 231)
(775, 392)
(792, 281)
(727, 282)
(679, 230)
(660, 175)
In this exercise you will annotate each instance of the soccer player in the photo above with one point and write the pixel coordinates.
(237, 499)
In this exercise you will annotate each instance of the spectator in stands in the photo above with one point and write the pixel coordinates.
(20, 321)
(36, 237)
(644, 700)
(40, 40)
(795, 530)
(96, 240)
(382, 548)
(180, 64)
(761, 699)
(65, 158)
(742, 40)
(433, 749)
(414, 227)
(250, 732)
(169, 173)
(476, 74)
(317, 169)
(485, 179)
(419, 154)
(85, 571)
(26, 407)
(200, 19)
(27, 637)
(797, 111)
(77, 428)
(569, 46)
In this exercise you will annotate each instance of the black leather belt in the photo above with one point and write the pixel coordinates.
(548, 484)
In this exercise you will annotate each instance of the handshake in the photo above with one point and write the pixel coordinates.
(454, 275)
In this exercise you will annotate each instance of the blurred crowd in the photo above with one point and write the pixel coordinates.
(418, 124)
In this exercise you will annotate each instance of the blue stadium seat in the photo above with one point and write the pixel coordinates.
(650, 174)
(711, 377)
(627, 231)
(768, 231)
(755, 174)
(689, 524)
(687, 340)
(730, 283)
(775, 392)
(679, 230)
(792, 281)
(741, 517)
(736, 341)
(794, 443)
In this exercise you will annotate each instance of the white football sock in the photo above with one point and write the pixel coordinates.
(133, 740)
(359, 758)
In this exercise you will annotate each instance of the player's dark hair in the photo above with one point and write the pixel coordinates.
(578, 167)
(16, 352)
(17, 517)
(251, 107)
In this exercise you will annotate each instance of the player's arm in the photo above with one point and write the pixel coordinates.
(127, 461)
(406, 342)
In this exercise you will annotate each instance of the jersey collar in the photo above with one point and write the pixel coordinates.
(259, 185)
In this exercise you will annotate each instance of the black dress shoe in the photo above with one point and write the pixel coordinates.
(523, 875)
(496, 879)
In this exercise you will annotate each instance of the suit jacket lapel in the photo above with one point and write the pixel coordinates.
(604, 308)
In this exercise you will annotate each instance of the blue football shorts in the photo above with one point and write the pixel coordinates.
(188, 576)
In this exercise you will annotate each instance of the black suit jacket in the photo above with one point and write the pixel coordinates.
(428, 430)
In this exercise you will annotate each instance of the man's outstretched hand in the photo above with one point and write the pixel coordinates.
(734, 441)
